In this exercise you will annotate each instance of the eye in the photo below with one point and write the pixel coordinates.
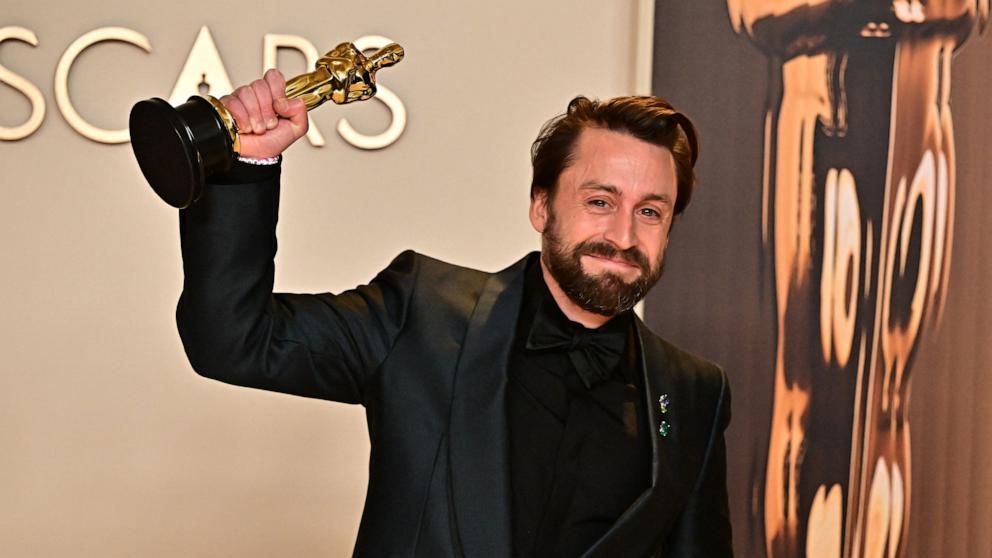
(598, 202)
(650, 213)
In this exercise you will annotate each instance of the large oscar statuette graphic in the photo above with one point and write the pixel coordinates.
(858, 191)
(178, 148)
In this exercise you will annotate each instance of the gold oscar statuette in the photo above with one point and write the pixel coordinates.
(177, 148)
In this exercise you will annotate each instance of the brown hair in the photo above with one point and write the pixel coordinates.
(650, 119)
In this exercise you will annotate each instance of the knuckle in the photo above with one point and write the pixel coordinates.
(244, 94)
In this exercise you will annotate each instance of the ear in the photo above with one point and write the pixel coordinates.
(539, 210)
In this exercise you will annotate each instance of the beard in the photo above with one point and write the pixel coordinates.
(606, 293)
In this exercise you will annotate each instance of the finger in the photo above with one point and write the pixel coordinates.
(277, 83)
(261, 89)
(277, 87)
(238, 111)
(248, 99)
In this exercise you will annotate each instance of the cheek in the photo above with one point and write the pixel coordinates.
(588, 227)
(654, 244)
(579, 227)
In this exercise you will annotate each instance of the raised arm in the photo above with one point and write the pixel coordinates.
(232, 326)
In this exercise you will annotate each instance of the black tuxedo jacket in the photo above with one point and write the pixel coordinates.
(424, 347)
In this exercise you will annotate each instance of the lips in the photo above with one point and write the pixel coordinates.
(613, 260)
(609, 254)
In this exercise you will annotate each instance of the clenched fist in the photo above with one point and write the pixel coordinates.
(267, 121)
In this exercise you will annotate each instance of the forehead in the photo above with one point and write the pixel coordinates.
(623, 161)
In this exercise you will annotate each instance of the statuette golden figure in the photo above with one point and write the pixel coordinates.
(343, 75)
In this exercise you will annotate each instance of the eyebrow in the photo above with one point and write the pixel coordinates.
(593, 185)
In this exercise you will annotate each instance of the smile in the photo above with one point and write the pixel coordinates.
(613, 261)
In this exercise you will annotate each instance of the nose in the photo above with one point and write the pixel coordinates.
(620, 230)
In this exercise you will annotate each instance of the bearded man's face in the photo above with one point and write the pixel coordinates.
(605, 230)
(606, 293)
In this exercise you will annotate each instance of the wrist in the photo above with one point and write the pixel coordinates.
(242, 172)
(261, 161)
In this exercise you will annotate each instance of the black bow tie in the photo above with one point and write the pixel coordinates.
(593, 352)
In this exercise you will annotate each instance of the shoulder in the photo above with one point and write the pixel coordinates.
(438, 290)
(682, 361)
(431, 274)
(426, 266)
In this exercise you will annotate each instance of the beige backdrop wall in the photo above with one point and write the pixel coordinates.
(109, 444)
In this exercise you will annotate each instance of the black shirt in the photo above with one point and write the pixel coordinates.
(579, 456)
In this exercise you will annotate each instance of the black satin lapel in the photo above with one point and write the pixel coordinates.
(479, 451)
(664, 449)
(637, 531)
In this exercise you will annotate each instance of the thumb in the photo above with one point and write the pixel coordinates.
(288, 108)
(296, 112)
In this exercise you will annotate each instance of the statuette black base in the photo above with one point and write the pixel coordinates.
(178, 148)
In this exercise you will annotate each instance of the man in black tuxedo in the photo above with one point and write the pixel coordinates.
(523, 413)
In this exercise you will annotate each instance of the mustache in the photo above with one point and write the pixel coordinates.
(631, 255)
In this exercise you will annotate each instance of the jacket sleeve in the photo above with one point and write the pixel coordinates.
(704, 528)
(233, 327)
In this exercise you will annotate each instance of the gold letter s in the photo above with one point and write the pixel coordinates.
(26, 88)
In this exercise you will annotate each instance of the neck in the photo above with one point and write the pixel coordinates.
(568, 307)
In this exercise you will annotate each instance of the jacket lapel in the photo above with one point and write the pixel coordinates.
(637, 531)
(479, 450)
